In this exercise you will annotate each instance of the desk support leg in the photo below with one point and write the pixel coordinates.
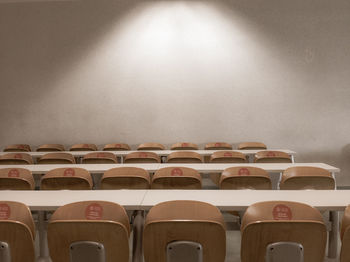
(333, 234)
(44, 250)
(138, 224)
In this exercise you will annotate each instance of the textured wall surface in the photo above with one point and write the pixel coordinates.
(275, 71)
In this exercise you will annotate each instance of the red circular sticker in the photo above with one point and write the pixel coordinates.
(176, 172)
(5, 211)
(117, 145)
(217, 144)
(69, 172)
(281, 212)
(13, 173)
(243, 172)
(227, 154)
(272, 154)
(93, 211)
(184, 144)
(142, 154)
(101, 155)
(18, 156)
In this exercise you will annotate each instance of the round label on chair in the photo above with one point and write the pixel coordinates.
(176, 172)
(243, 172)
(227, 154)
(5, 211)
(184, 144)
(281, 212)
(93, 211)
(117, 145)
(271, 154)
(18, 156)
(217, 144)
(69, 172)
(101, 155)
(13, 173)
(142, 154)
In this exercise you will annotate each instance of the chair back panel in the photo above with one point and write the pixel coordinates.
(125, 178)
(67, 178)
(184, 157)
(116, 147)
(50, 148)
(83, 147)
(16, 159)
(251, 145)
(100, 158)
(176, 178)
(16, 179)
(218, 146)
(184, 146)
(56, 158)
(18, 148)
(150, 146)
(141, 157)
(272, 157)
(228, 157)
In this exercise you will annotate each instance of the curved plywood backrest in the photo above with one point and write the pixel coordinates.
(141, 157)
(16, 179)
(83, 147)
(50, 147)
(100, 158)
(218, 146)
(184, 157)
(184, 220)
(98, 221)
(150, 146)
(245, 177)
(125, 178)
(184, 146)
(16, 159)
(251, 145)
(228, 157)
(272, 157)
(67, 178)
(116, 147)
(176, 178)
(56, 158)
(282, 221)
(345, 236)
(18, 148)
(17, 230)
(305, 177)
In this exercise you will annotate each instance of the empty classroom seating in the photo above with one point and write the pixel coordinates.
(176, 178)
(56, 158)
(125, 178)
(345, 236)
(267, 226)
(100, 158)
(116, 147)
(304, 177)
(251, 145)
(83, 147)
(150, 146)
(16, 179)
(218, 146)
(272, 157)
(228, 157)
(50, 148)
(17, 232)
(18, 148)
(67, 178)
(141, 157)
(16, 159)
(184, 157)
(184, 231)
(184, 146)
(89, 231)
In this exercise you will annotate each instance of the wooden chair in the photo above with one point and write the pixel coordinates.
(67, 179)
(100, 158)
(83, 147)
(18, 148)
(218, 146)
(272, 157)
(200, 225)
(17, 232)
(345, 236)
(150, 146)
(125, 178)
(141, 157)
(184, 157)
(16, 179)
(176, 178)
(228, 157)
(184, 146)
(88, 231)
(304, 177)
(282, 224)
(50, 148)
(251, 146)
(16, 159)
(56, 158)
(116, 147)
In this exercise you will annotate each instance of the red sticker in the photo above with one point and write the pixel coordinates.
(227, 154)
(176, 172)
(18, 156)
(281, 212)
(93, 211)
(272, 154)
(142, 154)
(217, 144)
(184, 144)
(21, 147)
(13, 173)
(101, 155)
(117, 145)
(244, 172)
(69, 172)
(5, 211)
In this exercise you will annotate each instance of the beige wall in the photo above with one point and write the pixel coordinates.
(276, 71)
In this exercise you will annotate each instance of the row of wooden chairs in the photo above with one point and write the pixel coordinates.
(174, 231)
(166, 178)
(144, 146)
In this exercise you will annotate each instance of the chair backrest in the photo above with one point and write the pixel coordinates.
(16, 159)
(83, 147)
(345, 236)
(17, 230)
(305, 177)
(16, 179)
(56, 158)
(281, 221)
(218, 146)
(245, 177)
(150, 146)
(100, 158)
(50, 148)
(186, 220)
(176, 178)
(98, 221)
(125, 178)
(228, 157)
(116, 147)
(251, 145)
(18, 148)
(184, 157)
(184, 146)
(141, 157)
(272, 157)
(67, 178)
